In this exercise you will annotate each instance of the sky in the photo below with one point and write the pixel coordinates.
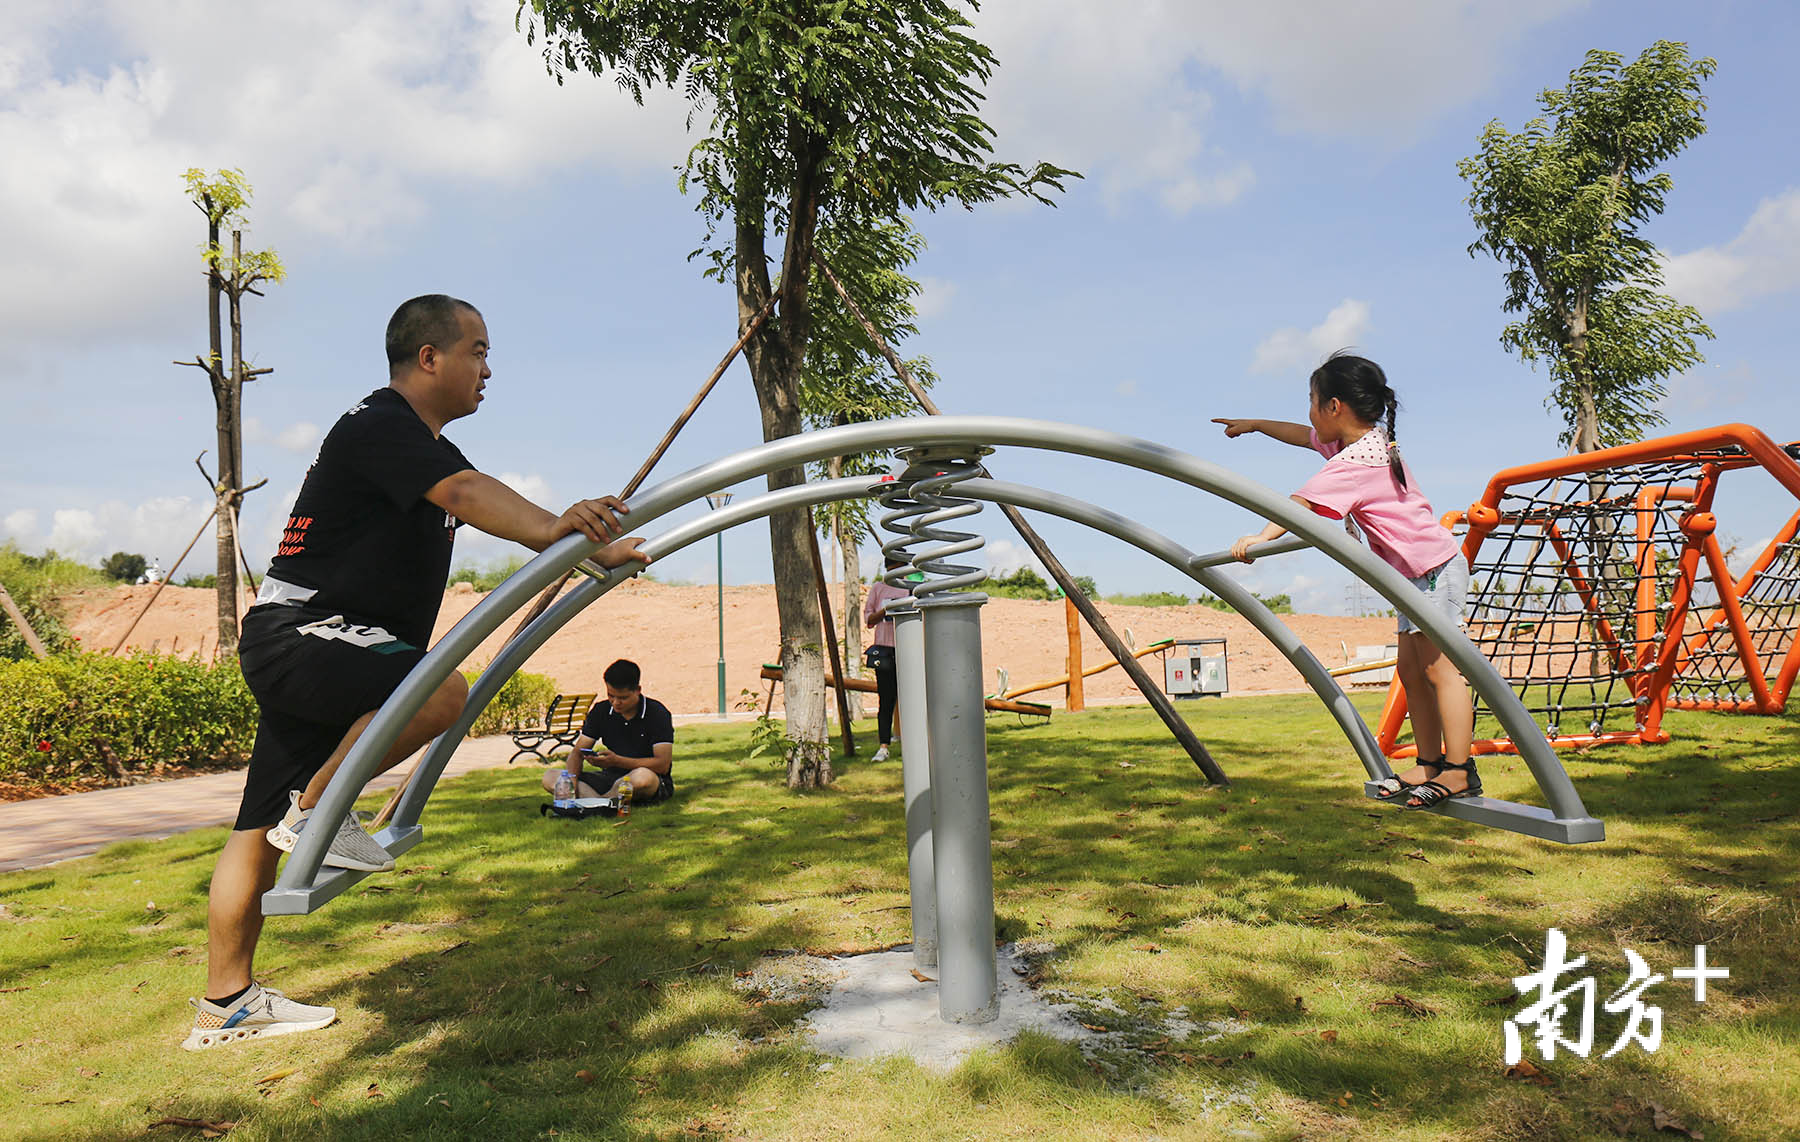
(1263, 184)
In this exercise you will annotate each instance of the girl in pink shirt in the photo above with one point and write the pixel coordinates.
(1366, 481)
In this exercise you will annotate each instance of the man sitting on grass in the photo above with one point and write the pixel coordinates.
(636, 736)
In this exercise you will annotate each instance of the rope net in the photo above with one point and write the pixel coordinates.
(1603, 597)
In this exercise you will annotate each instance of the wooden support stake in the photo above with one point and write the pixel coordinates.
(1077, 691)
(831, 645)
(18, 617)
(1165, 709)
(165, 581)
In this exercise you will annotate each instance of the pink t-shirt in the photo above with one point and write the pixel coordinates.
(879, 593)
(1400, 525)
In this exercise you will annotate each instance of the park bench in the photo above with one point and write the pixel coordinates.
(772, 674)
(562, 725)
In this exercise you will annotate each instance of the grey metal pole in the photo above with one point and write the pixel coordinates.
(968, 983)
(915, 776)
(721, 544)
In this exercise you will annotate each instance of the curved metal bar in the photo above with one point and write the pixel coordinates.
(302, 888)
(1317, 676)
(359, 765)
(515, 653)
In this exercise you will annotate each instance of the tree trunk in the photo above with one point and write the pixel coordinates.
(775, 356)
(226, 391)
(1587, 414)
(853, 609)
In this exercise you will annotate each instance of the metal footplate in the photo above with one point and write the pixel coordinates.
(1532, 820)
(333, 882)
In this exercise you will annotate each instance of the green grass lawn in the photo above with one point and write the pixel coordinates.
(523, 978)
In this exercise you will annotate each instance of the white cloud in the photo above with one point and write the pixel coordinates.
(158, 528)
(1118, 91)
(1004, 556)
(74, 532)
(298, 437)
(346, 117)
(1763, 259)
(20, 524)
(935, 295)
(1289, 349)
(533, 487)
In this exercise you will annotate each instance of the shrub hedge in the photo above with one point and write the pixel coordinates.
(521, 702)
(60, 718)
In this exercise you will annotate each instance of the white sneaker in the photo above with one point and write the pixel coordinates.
(258, 1013)
(880, 754)
(351, 848)
(286, 833)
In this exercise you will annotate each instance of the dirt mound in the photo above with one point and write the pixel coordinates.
(672, 632)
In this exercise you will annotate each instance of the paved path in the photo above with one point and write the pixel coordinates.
(50, 829)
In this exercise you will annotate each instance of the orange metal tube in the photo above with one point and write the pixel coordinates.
(1734, 616)
(1753, 441)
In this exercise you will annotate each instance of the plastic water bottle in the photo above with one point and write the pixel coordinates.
(624, 799)
(565, 789)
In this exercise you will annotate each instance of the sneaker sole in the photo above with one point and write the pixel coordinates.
(283, 837)
(200, 1040)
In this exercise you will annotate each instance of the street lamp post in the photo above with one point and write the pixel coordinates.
(716, 500)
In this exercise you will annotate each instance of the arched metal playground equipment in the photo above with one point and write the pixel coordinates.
(939, 655)
(1601, 590)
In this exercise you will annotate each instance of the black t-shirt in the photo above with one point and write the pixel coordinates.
(630, 738)
(362, 533)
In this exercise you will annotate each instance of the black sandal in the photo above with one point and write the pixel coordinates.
(1431, 792)
(1391, 788)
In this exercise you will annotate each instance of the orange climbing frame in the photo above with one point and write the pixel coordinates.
(1657, 653)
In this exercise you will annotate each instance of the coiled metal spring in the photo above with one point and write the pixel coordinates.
(919, 506)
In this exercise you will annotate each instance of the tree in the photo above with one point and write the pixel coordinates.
(1562, 205)
(838, 115)
(223, 200)
(123, 567)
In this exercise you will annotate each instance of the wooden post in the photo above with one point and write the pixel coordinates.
(18, 618)
(831, 645)
(1159, 701)
(1077, 700)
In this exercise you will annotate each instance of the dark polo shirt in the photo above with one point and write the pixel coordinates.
(630, 737)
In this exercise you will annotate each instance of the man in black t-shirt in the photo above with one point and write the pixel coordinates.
(345, 614)
(636, 737)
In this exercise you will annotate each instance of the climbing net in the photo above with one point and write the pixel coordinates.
(1600, 592)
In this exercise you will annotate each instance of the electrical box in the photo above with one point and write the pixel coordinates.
(1195, 667)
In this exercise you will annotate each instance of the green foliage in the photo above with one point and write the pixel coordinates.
(123, 567)
(1562, 205)
(63, 716)
(489, 577)
(1150, 599)
(520, 704)
(1279, 604)
(1028, 584)
(35, 582)
(208, 581)
(224, 199)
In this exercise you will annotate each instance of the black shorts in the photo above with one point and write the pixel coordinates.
(313, 674)
(601, 780)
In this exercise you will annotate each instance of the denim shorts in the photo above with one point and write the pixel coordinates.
(1446, 589)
